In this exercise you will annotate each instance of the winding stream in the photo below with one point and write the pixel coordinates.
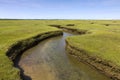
(48, 61)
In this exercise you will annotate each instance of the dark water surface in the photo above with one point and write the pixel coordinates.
(48, 61)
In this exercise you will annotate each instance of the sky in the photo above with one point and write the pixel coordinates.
(60, 9)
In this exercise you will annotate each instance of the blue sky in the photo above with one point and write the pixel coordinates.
(60, 9)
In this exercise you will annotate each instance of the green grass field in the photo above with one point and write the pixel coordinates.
(12, 31)
(103, 39)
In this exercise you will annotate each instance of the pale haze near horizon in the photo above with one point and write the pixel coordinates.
(60, 9)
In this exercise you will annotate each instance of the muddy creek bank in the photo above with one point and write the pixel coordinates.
(49, 61)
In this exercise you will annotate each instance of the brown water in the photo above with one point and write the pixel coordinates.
(48, 61)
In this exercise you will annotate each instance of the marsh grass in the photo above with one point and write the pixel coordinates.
(11, 32)
(103, 41)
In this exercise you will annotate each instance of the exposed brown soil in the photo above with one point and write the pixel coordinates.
(77, 31)
(23, 45)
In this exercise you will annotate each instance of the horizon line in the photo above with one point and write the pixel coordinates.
(51, 19)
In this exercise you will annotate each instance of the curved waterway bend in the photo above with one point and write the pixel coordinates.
(48, 61)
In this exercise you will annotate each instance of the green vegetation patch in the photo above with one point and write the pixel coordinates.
(105, 46)
(12, 31)
(102, 39)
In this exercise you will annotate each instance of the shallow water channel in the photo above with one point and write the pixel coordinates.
(49, 61)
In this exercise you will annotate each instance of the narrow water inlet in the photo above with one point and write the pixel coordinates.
(49, 61)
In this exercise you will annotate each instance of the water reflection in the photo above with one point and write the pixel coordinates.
(48, 61)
